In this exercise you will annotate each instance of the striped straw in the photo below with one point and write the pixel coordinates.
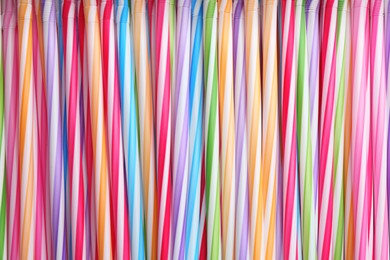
(90, 217)
(212, 131)
(193, 228)
(241, 156)
(111, 97)
(130, 128)
(270, 127)
(361, 169)
(3, 191)
(42, 227)
(387, 68)
(146, 124)
(379, 129)
(56, 166)
(279, 182)
(181, 131)
(327, 115)
(26, 133)
(100, 158)
(338, 211)
(163, 130)
(173, 13)
(313, 54)
(227, 129)
(304, 137)
(253, 81)
(74, 122)
(289, 142)
(349, 235)
(11, 101)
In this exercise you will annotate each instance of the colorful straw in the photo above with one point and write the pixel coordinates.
(306, 181)
(241, 156)
(327, 115)
(349, 235)
(379, 129)
(338, 211)
(163, 130)
(270, 126)
(387, 71)
(26, 132)
(3, 191)
(193, 227)
(289, 142)
(146, 125)
(42, 227)
(74, 122)
(111, 97)
(130, 128)
(180, 172)
(253, 85)
(212, 131)
(173, 13)
(361, 179)
(279, 183)
(227, 131)
(313, 54)
(56, 166)
(11, 109)
(100, 158)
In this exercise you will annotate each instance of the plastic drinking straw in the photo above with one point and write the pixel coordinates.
(163, 130)
(194, 202)
(379, 129)
(313, 53)
(180, 158)
(90, 216)
(361, 181)
(56, 166)
(338, 212)
(327, 121)
(306, 181)
(130, 128)
(111, 97)
(241, 156)
(279, 182)
(42, 227)
(172, 50)
(74, 122)
(227, 131)
(26, 132)
(146, 125)
(270, 126)
(11, 101)
(349, 235)
(253, 85)
(3, 222)
(387, 71)
(103, 221)
(212, 131)
(289, 142)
